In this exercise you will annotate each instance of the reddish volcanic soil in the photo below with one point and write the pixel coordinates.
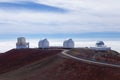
(14, 59)
(57, 67)
(103, 56)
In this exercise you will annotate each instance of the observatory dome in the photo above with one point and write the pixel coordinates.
(100, 44)
(65, 44)
(21, 43)
(43, 43)
(68, 43)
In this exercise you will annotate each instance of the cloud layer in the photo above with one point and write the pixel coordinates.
(56, 16)
(58, 42)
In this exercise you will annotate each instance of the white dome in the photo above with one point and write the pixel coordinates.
(65, 44)
(21, 40)
(21, 43)
(43, 43)
(68, 43)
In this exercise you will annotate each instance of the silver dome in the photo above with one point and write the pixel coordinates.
(100, 44)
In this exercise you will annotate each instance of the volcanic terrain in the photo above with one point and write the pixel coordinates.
(50, 64)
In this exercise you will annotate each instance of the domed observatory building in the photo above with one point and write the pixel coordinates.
(100, 46)
(43, 43)
(68, 43)
(21, 43)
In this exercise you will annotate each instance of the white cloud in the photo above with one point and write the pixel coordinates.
(84, 16)
(88, 4)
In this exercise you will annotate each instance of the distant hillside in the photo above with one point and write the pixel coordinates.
(36, 64)
(102, 56)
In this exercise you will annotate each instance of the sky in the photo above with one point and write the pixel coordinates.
(64, 18)
(54, 19)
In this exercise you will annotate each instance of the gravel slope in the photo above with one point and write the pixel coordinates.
(59, 67)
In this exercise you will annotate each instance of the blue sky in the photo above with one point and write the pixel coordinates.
(60, 19)
(30, 6)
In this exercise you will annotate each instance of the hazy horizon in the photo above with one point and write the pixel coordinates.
(11, 44)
